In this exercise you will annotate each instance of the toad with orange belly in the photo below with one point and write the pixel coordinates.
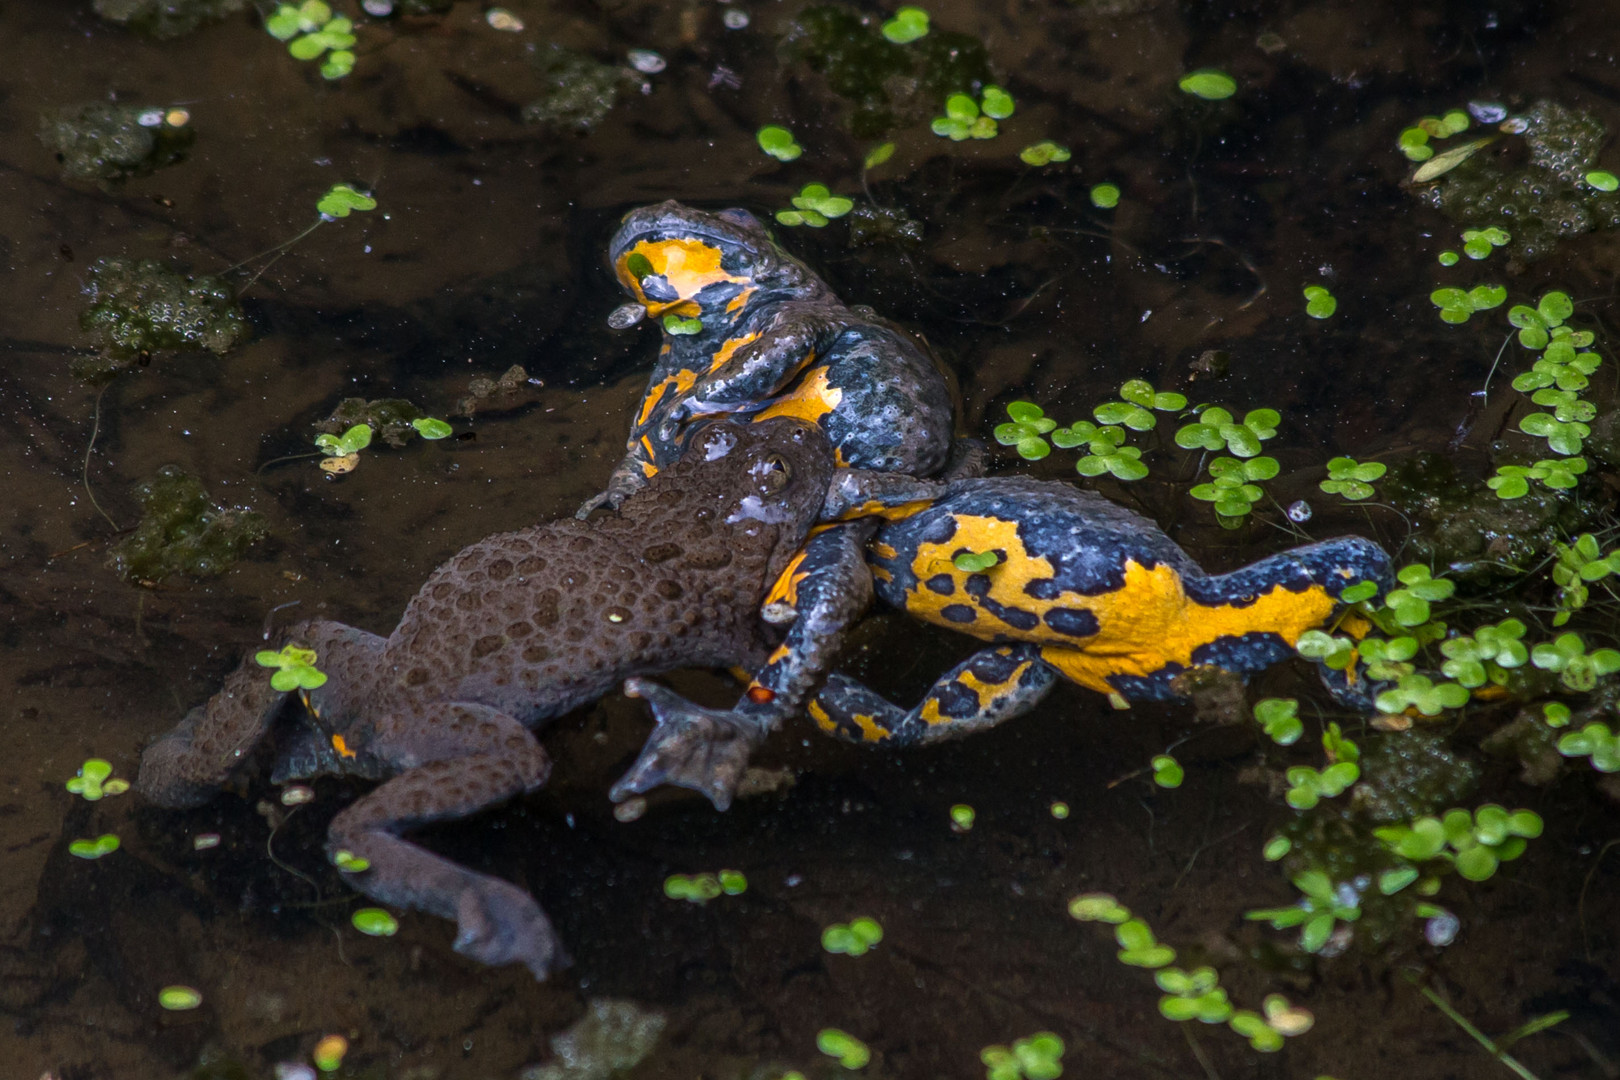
(750, 330)
(1079, 589)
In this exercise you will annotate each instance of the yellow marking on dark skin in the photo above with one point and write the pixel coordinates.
(871, 730)
(786, 590)
(650, 402)
(725, 351)
(882, 574)
(987, 692)
(648, 469)
(886, 511)
(819, 715)
(682, 382)
(342, 747)
(809, 401)
(1144, 625)
(740, 301)
(983, 693)
(689, 265)
(1355, 625)
(883, 551)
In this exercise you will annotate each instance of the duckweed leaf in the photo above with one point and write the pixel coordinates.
(293, 668)
(1208, 83)
(1594, 741)
(996, 103)
(1167, 771)
(1043, 153)
(778, 142)
(1099, 907)
(105, 844)
(1319, 303)
(908, 24)
(341, 200)
(878, 155)
(430, 428)
(179, 998)
(375, 922)
(850, 1052)
(88, 783)
(1279, 718)
(975, 562)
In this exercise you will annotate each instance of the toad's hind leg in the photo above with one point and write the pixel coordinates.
(480, 757)
(189, 764)
(1330, 566)
(990, 686)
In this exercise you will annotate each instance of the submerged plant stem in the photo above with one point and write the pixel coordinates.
(1477, 1035)
(84, 475)
(279, 250)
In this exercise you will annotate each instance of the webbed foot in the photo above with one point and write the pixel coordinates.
(498, 923)
(693, 747)
(608, 498)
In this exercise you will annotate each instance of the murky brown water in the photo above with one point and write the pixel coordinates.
(487, 250)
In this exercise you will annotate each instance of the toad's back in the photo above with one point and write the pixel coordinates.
(537, 621)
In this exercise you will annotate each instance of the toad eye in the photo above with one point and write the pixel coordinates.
(770, 474)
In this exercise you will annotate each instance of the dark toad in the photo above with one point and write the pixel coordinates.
(750, 330)
(1080, 589)
(516, 629)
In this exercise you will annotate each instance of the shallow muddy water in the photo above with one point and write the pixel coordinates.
(487, 249)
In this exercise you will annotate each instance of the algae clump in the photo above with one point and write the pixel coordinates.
(111, 142)
(885, 82)
(166, 18)
(391, 419)
(1539, 198)
(183, 531)
(612, 1036)
(581, 91)
(1465, 528)
(138, 307)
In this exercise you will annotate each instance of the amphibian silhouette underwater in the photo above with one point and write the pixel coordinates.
(514, 630)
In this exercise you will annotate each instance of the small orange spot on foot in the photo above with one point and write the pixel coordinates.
(341, 747)
(759, 695)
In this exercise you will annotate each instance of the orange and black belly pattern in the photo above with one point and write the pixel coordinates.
(1112, 602)
(879, 397)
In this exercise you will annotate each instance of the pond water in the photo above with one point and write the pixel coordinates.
(487, 249)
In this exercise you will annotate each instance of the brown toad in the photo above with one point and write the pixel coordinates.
(516, 629)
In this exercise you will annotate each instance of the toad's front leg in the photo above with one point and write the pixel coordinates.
(483, 757)
(820, 595)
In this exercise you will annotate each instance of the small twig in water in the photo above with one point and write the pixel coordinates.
(1477, 1035)
(95, 430)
